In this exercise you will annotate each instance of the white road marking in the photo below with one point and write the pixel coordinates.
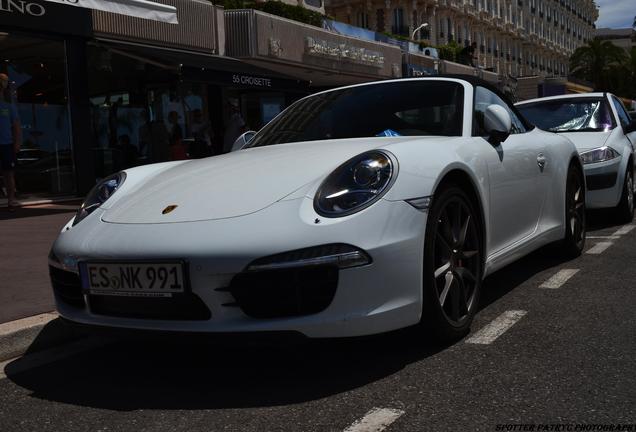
(375, 420)
(612, 237)
(599, 248)
(499, 326)
(624, 230)
(41, 358)
(559, 279)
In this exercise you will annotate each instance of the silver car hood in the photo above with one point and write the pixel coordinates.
(587, 140)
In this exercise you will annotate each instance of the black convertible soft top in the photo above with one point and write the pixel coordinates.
(475, 81)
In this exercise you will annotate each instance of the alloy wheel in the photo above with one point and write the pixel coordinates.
(457, 261)
(576, 209)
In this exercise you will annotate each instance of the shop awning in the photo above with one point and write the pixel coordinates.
(136, 8)
(206, 67)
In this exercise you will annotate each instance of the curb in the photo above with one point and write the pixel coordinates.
(33, 334)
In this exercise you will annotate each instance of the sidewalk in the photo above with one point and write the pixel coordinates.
(26, 236)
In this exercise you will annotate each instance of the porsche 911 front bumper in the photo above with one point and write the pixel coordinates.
(224, 297)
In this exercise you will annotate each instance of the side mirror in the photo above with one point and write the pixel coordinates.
(243, 140)
(630, 127)
(497, 123)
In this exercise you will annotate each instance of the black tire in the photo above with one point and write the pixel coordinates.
(575, 217)
(625, 208)
(453, 265)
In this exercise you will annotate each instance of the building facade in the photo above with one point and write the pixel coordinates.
(514, 37)
(113, 91)
(624, 37)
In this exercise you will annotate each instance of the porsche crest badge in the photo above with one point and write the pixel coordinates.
(169, 209)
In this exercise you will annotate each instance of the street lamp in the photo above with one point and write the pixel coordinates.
(418, 29)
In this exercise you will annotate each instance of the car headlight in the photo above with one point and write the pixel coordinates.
(99, 195)
(355, 185)
(601, 154)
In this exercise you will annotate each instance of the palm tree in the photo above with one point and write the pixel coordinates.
(596, 62)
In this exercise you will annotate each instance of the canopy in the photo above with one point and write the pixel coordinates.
(137, 8)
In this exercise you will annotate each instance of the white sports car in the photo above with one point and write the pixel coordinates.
(600, 127)
(356, 211)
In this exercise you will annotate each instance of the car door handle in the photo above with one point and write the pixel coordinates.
(541, 160)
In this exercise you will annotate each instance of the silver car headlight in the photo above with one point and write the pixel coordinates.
(601, 154)
(99, 195)
(355, 185)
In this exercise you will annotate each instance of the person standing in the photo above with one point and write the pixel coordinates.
(178, 150)
(10, 139)
(201, 130)
(235, 126)
(467, 55)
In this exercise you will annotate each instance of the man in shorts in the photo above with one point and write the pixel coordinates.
(10, 139)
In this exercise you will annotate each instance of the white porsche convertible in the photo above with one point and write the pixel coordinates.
(356, 211)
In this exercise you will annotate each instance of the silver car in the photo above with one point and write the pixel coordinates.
(605, 136)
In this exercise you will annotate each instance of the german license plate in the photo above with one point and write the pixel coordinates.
(133, 279)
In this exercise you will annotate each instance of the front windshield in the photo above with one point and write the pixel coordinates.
(569, 115)
(406, 108)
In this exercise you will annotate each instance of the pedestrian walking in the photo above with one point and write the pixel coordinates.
(10, 139)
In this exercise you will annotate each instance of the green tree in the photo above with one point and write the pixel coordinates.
(630, 79)
(450, 51)
(597, 62)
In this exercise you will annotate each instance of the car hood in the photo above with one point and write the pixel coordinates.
(233, 184)
(587, 140)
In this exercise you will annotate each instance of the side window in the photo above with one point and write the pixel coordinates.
(622, 113)
(483, 99)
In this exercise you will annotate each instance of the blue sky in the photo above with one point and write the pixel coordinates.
(616, 13)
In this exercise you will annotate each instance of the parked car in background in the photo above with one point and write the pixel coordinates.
(604, 134)
(358, 210)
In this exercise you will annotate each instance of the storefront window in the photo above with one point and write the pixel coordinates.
(37, 75)
(149, 106)
(143, 113)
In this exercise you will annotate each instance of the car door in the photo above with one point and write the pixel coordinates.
(517, 181)
(624, 119)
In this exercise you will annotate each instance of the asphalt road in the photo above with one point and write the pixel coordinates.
(567, 356)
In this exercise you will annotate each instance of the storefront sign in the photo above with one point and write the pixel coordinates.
(412, 70)
(343, 52)
(22, 7)
(251, 80)
(275, 48)
(136, 8)
(44, 16)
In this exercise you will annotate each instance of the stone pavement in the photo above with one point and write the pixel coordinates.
(26, 236)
